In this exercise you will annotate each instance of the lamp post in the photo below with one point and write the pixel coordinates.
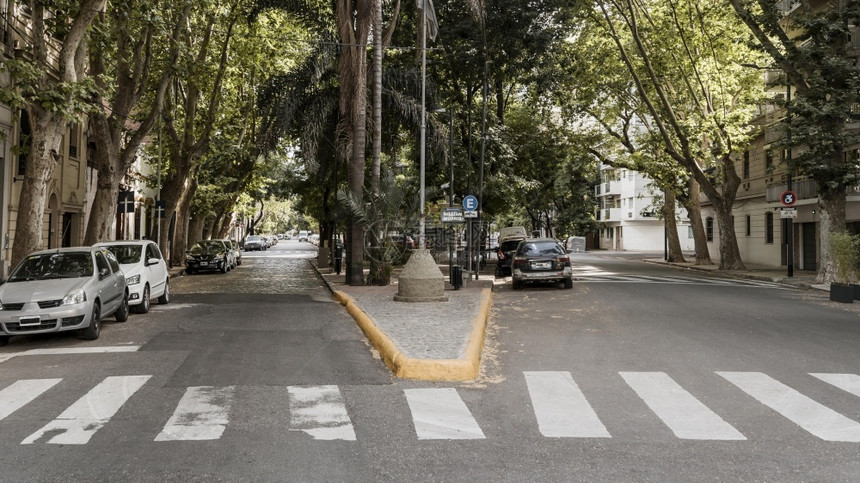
(481, 172)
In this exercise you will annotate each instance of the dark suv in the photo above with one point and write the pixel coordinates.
(505, 253)
(541, 260)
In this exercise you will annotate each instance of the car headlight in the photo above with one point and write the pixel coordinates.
(75, 297)
(133, 280)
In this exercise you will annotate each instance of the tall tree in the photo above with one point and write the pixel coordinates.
(191, 110)
(696, 92)
(811, 45)
(138, 34)
(54, 89)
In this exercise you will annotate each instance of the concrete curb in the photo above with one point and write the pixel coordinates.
(405, 367)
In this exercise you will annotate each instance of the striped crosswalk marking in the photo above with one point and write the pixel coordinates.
(320, 411)
(846, 382)
(202, 414)
(80, 421)
(685, 415)
(819, 420)
(22, 392)
(441, 414)
(560, 407)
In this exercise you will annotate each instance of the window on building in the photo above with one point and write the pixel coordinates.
(746, 165)
(749, 225)
(709, 228)
(768, 160)
(768, 227)
(74, 140)
(23, 142)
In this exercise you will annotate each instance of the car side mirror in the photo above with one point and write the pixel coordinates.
(104, 272)
(151, 261)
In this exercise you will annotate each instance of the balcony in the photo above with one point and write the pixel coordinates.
(610, 214)
(612, 188)
(804, 189)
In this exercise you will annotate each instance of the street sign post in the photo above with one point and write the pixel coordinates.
(470, 203)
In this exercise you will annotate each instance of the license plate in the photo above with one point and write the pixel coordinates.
(542, 265)
(29, 321)
(204, 264)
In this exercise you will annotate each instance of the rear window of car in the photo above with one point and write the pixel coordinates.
(540, 249)
(254, 238)
(509, 245)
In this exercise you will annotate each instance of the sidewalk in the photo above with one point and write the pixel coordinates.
(430, 341)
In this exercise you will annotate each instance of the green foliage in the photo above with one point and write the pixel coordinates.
(31, 85)
(844, 249)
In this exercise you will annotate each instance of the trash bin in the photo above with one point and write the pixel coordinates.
(338, 255)
(457, 277)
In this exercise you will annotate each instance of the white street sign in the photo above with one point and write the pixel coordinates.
(788, 213)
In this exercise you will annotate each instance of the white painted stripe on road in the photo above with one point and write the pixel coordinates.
(320, 411)
(846, 382)
(73, 350)
(819, 420)
(441, 414)
(561, 408)
(18, 394)
(685, 415)
(80, 421)
(202, 414)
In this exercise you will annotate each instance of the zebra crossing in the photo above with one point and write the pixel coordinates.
(586, 276)
(559, 407)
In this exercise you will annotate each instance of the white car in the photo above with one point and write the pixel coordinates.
(145, 271)
(62, 289)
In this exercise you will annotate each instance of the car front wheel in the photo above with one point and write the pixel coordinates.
(568, 283)
(143, 306)
(4, 340)
(92, 332)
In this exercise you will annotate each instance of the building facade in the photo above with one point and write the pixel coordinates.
(627, 217)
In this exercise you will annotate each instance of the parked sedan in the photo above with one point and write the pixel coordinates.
(254, 242)
(145, 272)
(208, 255)
(541, 260)
(62, 290)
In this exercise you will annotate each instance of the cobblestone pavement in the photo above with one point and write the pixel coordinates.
(261, 273)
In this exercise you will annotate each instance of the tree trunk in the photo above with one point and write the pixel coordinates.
(671, 227)
(376, 142)
(47, 134)
(110, 174)
(694, 213)
(730, 254)
(832, 206)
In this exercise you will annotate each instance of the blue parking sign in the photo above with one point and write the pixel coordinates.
(470, 203)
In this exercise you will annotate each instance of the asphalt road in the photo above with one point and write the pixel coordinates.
(639, 373)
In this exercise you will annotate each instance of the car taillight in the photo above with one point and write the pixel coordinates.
(564, 261)
(520, 261)
(501, 255)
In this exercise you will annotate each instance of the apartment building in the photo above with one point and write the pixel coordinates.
(626, 213)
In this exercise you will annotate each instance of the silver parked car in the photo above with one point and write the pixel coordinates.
(62, 290)
(145, 272)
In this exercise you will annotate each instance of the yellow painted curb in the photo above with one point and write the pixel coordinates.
(425, 369)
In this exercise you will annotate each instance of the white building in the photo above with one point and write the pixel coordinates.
(627, 216)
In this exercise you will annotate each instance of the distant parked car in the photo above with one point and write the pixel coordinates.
(63, 289)
(541, 260)
(254, 242)
(314, 238)
(303, 235)
(208, 255)
(145, 272)
(235, 253)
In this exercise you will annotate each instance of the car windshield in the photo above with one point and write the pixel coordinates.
(53, 265)
(540, 249)
(126, 254)
(207, 246)
(254, 238)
